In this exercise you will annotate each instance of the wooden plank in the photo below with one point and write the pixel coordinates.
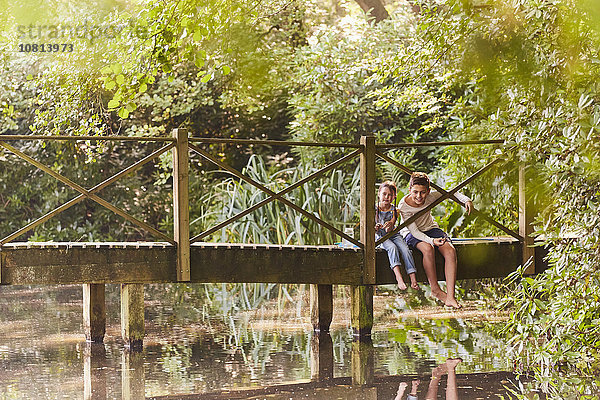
(321, 307)
(75, 265)
(476, 260)
(85, 263)
(287, 265)
(94, 312)
(132, 315)
(181, 207)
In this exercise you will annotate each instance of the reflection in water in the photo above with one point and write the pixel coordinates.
(43, 354)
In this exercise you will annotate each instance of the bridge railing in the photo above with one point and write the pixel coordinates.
(90, 193)
(181, 144)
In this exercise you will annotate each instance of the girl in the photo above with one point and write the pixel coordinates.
(385, 219)
(425, 234)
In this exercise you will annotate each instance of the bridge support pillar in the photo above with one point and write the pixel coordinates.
(321, 307)
(132, 376)
(94, 371)
(321, 357)
(94, 312)
(362, 310)
(132, 315)
(363, 369)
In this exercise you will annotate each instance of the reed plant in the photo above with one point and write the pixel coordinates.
(333, 197)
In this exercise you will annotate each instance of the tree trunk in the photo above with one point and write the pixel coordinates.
(374, 8)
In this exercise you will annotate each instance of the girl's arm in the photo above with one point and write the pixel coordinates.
(389, 225)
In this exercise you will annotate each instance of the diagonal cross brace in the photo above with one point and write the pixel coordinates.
(477, 212)
(445, 194)
(85, 193)
(275, 196)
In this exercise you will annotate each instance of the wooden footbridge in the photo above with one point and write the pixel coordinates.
(182, 258)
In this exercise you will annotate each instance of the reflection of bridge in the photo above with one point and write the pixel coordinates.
(363, 384)
(186, 259)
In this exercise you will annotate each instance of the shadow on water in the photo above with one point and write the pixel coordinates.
(43, 354)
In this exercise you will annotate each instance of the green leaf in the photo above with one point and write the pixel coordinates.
(226, 70)
(205, 78)
(143, 88)
(113, 104)
(123, 113)
(120, 79)
(110, 85)
(117, 68)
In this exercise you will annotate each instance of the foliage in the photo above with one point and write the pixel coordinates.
(527, 72)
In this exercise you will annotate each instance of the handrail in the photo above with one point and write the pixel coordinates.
(272, 142)
(436, 144)
(91, 138)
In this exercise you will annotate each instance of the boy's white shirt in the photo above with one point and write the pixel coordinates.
(425, 222)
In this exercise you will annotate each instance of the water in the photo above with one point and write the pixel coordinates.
(43, 353)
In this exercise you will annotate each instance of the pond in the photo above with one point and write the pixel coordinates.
(267, 353)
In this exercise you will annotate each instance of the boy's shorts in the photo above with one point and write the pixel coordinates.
(432, 233)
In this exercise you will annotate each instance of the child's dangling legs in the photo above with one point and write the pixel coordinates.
(407, 258)
(397, 248)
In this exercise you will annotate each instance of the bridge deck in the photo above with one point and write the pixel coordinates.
(153, 262)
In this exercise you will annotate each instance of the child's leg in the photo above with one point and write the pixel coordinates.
(407, 258)
(394, 257)
(399, 279)
(429, 266)
(449, 253)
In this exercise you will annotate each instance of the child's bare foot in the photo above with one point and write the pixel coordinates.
(414, 386)
(414, 285)
(401, 285)
(451, 302)
(451, 363)
(439, 294)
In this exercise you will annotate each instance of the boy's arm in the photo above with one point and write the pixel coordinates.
(418, 234)
(468, 203)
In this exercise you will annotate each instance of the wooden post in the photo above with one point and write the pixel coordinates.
(321, 357)
(362, 310)
(321, 307)
(132, 315)
(363, 368)
(367, 207)
(181, 209)
(362, 296)
(525, 221)
(94, 371)
(132, 376)
(94, 312)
